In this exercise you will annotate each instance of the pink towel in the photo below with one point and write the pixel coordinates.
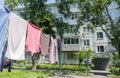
(33, 39)
(44, 41)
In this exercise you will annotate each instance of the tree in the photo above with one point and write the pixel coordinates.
(11, 4)
(36, 12)
(115, 68)
(97, 13)
(80, 55)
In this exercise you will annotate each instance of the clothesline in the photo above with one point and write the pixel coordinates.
(23, 34)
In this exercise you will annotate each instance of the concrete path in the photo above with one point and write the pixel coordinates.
(76, 76)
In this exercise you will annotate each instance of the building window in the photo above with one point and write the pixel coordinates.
(99, 35)
(86, 29)
(76, 40)
(71, 40)
(60, 19)
(100, 48)
(74, 15)
(72, 28)
(86, 43)
(68, 41)
(71, 55)
(65, 41)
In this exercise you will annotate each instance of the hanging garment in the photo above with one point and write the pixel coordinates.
(16, 37)
(44, 42)
(2, 2)
(56, 50)
(4, 15)
(33, 39)
(53, 56)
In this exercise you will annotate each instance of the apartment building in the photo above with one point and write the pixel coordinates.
(83, 40)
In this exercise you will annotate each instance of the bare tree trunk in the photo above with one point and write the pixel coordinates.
(33, 62)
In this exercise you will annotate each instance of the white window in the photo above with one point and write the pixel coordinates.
(71, 55)
(100, 48)
(74, 41)
(99, 35)
(86, 29)
(86, 43)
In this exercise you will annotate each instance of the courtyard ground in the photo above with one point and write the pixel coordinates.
(76, 76)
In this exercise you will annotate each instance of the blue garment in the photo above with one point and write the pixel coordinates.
(2, 2)
(4, 16)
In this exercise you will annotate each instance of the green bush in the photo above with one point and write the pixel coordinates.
(81, 68)
(115, 70)
(23, 65)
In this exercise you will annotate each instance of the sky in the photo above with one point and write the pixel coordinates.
(51, 1)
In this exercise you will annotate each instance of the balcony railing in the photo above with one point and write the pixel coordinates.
(103, 55)
(71, 47)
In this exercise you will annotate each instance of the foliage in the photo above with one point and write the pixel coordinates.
(116, 59)
(12, 4)
(80, 55)
(64, 6)
(36, 12)
(61, 28)
(97, 13)
(115, 69)
(24, 74)
(81, 68)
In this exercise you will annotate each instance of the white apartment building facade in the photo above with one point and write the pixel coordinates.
(84, 40)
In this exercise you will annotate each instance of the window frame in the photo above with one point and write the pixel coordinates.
(100, 35)
(86, 30)
(100, 49)
(71, 40)
(86, 42)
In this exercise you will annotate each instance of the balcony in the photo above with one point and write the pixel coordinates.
(103, 55)
(71, 47)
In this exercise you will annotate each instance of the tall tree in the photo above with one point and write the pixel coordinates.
(97, 13)
(36, 12)
(64, 9)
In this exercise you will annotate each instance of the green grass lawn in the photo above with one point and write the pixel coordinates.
(23, 74)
